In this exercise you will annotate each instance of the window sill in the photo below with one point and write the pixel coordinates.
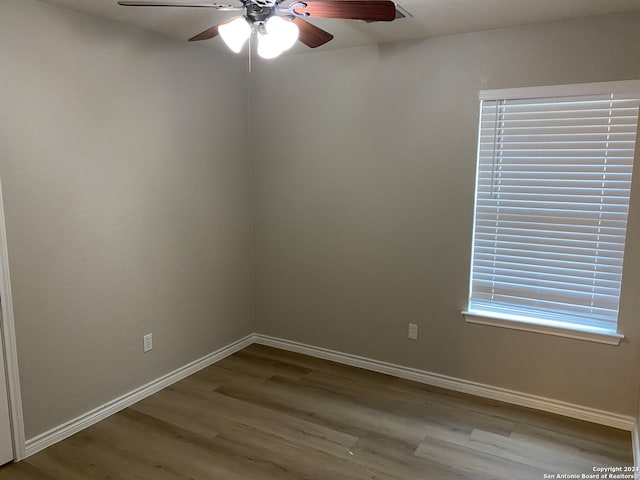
(584, 333)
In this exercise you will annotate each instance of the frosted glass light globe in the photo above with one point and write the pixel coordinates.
(268, 45)
(235, 33)
(285, 31)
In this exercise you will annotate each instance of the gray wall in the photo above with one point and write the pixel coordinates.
(364, 177)
(126, 185)
(125, 173)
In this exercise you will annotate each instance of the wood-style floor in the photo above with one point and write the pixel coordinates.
(266, 414)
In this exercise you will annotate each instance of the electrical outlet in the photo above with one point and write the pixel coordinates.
(147, 342)
(413, 331)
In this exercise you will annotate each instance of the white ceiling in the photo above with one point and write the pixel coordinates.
(430, 18)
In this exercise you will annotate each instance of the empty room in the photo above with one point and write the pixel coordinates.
(321, 240)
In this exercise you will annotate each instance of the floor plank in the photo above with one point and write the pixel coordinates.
(268, 414)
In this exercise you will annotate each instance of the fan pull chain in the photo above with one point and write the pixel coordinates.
(250, 49)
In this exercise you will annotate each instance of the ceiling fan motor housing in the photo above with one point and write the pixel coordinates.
(259, 11)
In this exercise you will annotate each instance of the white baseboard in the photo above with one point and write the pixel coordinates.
(459, 385)
(602, 417)
(46, 439)
(635, 441)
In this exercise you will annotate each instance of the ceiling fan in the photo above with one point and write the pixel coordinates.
(279, 26)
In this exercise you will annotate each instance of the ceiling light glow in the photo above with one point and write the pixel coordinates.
(285, 31)
(268, 45)
(235, 33)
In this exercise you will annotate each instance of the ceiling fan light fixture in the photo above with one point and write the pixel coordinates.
(279, 26)
(285, 31)
(235, 33)
(268, 45)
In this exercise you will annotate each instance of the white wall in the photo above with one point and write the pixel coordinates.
(125, 174)
(364, 176)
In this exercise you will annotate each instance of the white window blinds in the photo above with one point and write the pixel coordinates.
(552, 195)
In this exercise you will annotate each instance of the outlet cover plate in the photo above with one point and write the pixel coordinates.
(413, 331)
(147, 342)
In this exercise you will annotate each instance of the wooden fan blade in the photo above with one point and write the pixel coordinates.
(210, 32)
(311, 35)
(372, 10)
(217, 6)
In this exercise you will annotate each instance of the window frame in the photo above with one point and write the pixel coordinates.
(515, 322)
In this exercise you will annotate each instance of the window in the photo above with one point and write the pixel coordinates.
(552, 195)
